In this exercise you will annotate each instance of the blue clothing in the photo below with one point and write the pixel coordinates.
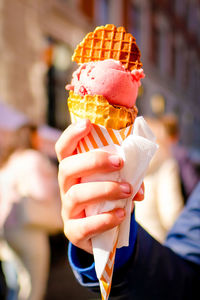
(85, 273)
(184, 238)
(189, 175)
(151, 270)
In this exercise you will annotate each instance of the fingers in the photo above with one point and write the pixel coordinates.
(76, 195)
(81, 195)
(69, 139)
(80, 231)
(85, 164)
(140, 194)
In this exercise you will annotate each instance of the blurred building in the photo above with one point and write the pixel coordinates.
(36, 42)
(37, 38)
(168, 35)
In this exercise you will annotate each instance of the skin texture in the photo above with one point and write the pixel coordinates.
(76, 196)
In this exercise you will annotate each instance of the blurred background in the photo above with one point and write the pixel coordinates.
(37, 39)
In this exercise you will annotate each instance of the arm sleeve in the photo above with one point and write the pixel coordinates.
(83, 265)
(155, 272)
(184, 237)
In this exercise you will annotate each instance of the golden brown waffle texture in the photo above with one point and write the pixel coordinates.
(98, 110)
(109, 42)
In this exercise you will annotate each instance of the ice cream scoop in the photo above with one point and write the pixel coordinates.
(108, 78)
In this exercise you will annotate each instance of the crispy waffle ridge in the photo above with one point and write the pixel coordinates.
(109, 42)
(98, 110)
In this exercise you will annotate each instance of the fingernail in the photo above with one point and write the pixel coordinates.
(115, 160)
(125, 188)
(120, 213)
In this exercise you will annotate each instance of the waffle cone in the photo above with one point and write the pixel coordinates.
(98, 110)
(109, 42)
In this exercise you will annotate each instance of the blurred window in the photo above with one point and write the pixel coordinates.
(180, 62)
(180, 7)
(193, 75)
(135, 22)
(163, 48)
(192, 16)
(101, 9)
(198, 25)
(58, 59)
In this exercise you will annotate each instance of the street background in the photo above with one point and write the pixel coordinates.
(37, 39)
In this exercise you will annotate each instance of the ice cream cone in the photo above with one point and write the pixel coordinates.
(98, 110)
(111, 123)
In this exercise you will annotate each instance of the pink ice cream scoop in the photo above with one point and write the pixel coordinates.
(108, 78)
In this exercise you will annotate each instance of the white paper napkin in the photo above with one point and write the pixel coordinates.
(136, 150)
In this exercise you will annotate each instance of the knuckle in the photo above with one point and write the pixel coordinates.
(108, 221)
(98, 158)
(63, 214)
(63, 170)
(84, 232)
(109, 189)
(61, 167)
(66, 230)
(72, 197)
(76, 238)
(57, 148)
(67, 207)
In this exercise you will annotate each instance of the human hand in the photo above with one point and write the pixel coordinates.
(76, 196)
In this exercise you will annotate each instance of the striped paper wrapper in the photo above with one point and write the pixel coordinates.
(136, 145)
(100, 137)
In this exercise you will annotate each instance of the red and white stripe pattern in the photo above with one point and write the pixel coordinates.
(106, 277)
(101, 136)
(97, 138)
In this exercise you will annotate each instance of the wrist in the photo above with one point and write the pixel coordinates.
(82, 264)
